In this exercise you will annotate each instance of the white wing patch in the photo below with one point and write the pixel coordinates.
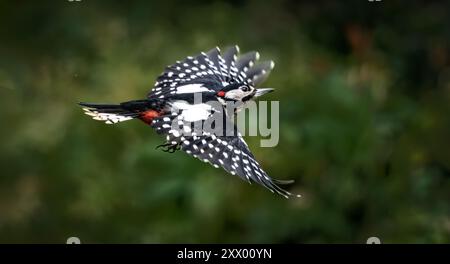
(192, 112)
(108, 118)
(191, 88)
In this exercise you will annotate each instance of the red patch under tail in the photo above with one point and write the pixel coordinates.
(148, 116)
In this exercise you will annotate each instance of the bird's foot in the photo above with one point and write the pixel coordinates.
(169, 147)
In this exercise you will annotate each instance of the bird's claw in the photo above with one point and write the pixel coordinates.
(169, 147)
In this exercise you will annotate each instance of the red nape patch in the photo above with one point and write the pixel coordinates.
(148, 116)
(221, 93)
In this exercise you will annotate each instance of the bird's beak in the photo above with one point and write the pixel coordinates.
(262, 91)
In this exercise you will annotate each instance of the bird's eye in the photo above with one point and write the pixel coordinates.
(245, 88)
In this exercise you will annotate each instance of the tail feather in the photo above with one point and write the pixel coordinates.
(108, 113)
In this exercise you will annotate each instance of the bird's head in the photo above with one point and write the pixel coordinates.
(239, 92)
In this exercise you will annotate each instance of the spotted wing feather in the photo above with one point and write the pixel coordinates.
(211, 70)
(192, 70)
(259, 73)
(233, 155)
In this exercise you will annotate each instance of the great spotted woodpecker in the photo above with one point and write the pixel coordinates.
(172, 109)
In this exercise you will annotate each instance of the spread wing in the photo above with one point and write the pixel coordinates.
(229, 152)
(211, 71)
(233, 155)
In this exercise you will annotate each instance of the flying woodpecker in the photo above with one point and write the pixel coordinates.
(200, 92)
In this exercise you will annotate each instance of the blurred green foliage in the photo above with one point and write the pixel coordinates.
(364, 92)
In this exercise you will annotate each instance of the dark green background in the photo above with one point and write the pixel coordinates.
(364, 91)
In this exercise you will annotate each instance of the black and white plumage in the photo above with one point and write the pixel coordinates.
(211, 72)
(192, 95)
